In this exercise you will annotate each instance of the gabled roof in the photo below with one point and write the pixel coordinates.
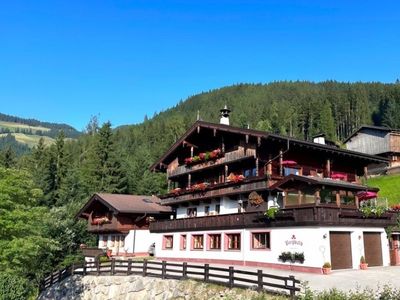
(263, 135)
(314, 180)
(378, 128)
(127, 204)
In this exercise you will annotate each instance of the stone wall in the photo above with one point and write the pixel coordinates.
(138, 287)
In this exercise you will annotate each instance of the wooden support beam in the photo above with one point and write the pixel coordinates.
(328, 168)
(280, 163)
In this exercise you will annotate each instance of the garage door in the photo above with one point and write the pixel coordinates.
(373, 248)
(340, 250)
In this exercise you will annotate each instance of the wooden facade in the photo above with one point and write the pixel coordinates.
(304, 215)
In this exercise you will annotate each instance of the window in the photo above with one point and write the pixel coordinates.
(287, 171)
(207, 210)
(191, 212)
(217, 209)
(168, 241)
(121, 241)
(347, 198)
(292, 198)
(197, 241)
(308, 196)
(327, 196)
(105, 240)
(183, 242)
(214, 241)
(233, 241)
(260, 240)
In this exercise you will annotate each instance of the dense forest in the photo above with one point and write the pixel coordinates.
(40, 192)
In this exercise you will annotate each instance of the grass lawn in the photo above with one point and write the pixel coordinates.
(389, 186)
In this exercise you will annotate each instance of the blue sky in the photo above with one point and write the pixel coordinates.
(63, 61)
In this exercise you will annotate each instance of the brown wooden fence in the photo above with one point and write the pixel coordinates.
(228, 276)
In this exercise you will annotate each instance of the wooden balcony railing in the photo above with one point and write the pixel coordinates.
(313, 215)
(218, 190)
(228, 157)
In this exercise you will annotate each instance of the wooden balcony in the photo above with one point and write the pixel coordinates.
(229, 157)
(313, 215)
(221, 189)
(119, 223)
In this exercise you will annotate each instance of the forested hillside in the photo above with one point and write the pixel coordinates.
(41, 192)
(20, 135)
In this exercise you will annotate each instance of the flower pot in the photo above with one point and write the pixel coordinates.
(363, 266)
(326, 271)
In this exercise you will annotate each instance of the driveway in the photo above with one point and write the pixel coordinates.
(345, 280)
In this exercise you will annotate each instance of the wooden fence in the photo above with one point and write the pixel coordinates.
(228, 276)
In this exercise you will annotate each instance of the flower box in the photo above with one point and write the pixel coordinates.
(203, 157)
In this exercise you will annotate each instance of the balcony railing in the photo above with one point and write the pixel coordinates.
(228, 158)
(217, 190)
(313, 215)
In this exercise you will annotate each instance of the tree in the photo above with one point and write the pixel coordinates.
(102, 167)
(25, 248)
(8, 158)
(326, 122)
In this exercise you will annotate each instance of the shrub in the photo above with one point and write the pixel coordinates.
(13, 287)
(327, 265)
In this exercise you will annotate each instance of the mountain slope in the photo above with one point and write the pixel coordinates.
(22, 134)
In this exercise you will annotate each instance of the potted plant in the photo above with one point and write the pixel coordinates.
(363, 263)
(326, 268)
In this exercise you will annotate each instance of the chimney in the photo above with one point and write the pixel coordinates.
(224, 115)
(319, 139)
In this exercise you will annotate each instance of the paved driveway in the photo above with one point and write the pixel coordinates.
(344, 280)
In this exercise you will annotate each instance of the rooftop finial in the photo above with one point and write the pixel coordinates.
(225, 115)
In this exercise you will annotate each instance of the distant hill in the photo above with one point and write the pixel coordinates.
(22, 134)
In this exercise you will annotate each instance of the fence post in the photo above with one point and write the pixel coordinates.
(184, 270)
(163, 269)
(84, 268)
(231, 280)
(59, 275)
(51, 278)
(128, 271)
(292, 287)
(260, 280)
(72, 269)
(98, 266)
(144, 267)
(113, 266)
(206, 272)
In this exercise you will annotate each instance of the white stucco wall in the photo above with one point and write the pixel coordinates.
(313, 241)
(143, 239)
(227, 206)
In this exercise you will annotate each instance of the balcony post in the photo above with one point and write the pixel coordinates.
(189, 180)
(280, 163)
(366, 172)
(328, 168)
(257, 165)
(226, 172)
